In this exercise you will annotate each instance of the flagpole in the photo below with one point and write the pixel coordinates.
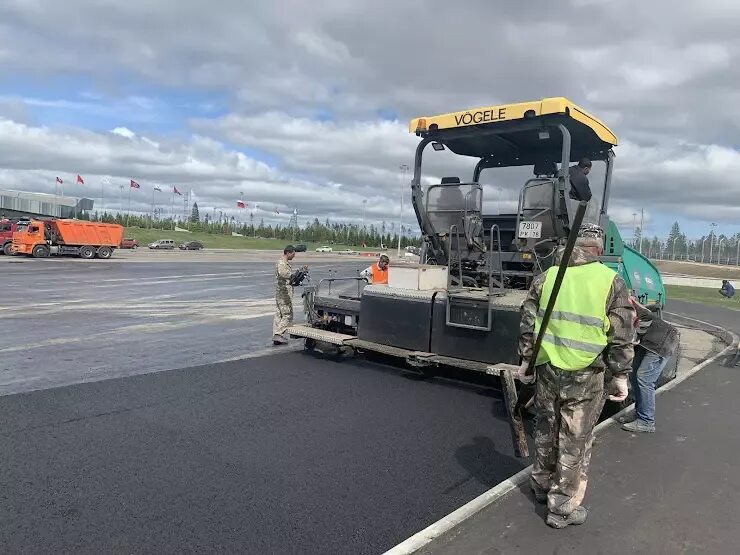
(128, 212)
(151, 214)
(172, 209)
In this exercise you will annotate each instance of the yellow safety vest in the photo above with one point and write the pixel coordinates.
(576, 333)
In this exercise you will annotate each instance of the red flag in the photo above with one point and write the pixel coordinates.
(80, 180)
(176, 191)
(59, 180)
(135, 185)
(241, 204)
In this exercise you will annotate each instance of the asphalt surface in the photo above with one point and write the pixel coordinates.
(286, 453)
(674, 491)
(68, 320)
(279, 454)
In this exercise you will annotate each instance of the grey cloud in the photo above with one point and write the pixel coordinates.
(663, 75)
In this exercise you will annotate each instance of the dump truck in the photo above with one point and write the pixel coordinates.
(7, 228)
(43, 238)
(460, 307)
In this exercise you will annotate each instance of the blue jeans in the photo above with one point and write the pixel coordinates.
(645, 373)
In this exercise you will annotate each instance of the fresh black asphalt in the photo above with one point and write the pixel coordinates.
(281, 454)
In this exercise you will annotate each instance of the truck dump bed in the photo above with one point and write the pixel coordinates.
(77, 232)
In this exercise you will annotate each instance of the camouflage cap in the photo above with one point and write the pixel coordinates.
(591, 231)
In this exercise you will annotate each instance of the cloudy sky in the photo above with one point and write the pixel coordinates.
(305, 105)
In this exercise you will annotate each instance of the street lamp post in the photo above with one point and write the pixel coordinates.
(634, 229)
(404, 168)
(711, 242)
(103, 182)
(674, 248)
(364, 203)
(702, 249)
(719, 250)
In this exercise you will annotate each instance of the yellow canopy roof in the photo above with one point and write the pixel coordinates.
(493, 115)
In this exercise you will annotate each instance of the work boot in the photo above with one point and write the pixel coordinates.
(279, 340)
(561, 521)
(540, 494)
(638, 426)
(624, 419)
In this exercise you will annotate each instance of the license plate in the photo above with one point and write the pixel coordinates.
(530, 230)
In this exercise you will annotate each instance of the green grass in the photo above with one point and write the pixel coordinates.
(702, 295)
(213, 241)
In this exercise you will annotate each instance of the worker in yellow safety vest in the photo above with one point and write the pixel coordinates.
(590, 331)
(377, 274)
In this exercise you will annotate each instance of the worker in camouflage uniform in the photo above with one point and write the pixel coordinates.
(283, 296)
(590, 331)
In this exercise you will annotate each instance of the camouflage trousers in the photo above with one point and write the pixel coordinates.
(568, 405)
(283, 315)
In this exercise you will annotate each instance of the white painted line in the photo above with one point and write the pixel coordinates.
(447, 523)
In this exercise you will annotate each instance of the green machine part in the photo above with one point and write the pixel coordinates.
(641, 276)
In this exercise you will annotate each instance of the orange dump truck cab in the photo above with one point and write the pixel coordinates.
(67, 237)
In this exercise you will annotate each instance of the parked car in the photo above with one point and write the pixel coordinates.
(301, 248)
(167, 244)
(129, 243)
(191, 246)
(324, 249)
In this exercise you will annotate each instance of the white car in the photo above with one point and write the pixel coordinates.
(323, 249)
(167, 244)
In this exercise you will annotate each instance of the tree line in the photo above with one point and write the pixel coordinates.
(678, 247)
(315, 231)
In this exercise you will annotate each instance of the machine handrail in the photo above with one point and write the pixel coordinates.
(358, 279)
(500, 260)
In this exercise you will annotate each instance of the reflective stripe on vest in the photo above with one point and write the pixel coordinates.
(379, 276)
(576, 333)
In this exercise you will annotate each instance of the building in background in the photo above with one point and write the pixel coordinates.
(17, 204)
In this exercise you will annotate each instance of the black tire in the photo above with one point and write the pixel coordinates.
(8, 249)
(105, 252)
(310, 344)
(87, 252)
(40, 251)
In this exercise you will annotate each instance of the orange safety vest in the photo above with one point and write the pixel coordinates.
(379, 276)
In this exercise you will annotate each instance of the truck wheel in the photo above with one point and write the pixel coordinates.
(40, 251)
(105, 252)
(87, 252)
(8, 249)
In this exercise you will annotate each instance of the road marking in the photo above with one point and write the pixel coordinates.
(457, 517)
(143, 282)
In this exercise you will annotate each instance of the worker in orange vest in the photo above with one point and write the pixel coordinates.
(378, 272)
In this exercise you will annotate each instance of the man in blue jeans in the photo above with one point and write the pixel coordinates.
(657, 341)
(727, 291)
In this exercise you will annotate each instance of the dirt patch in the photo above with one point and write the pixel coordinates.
(697, 269)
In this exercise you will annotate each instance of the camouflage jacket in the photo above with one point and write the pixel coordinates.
(283, 271)
(619, 352)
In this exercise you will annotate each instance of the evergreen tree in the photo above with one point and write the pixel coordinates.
(194, 215)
